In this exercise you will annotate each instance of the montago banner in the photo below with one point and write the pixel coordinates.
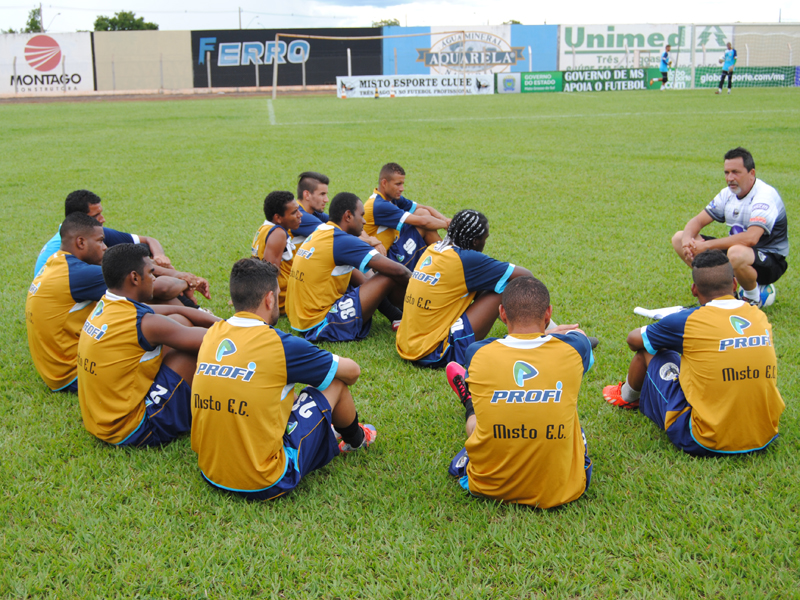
(53, 63)
(386, 86)
(708, 77)
(626, 46)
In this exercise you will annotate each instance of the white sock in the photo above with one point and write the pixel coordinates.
(628, 393)
(751, 294)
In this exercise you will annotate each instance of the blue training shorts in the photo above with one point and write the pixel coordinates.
(458, 466)
(457, 342)
(167, 411)
(662, 393)
(343, 323)
(407, 248)
(309, 444)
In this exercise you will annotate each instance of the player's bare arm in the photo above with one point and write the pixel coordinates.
(427, 221)
(373, 241)
(348, 371)
(390, 268)
(160, 329)
(193, 282)
(436, 213)
(198, 318)
(748, 238)
(276, 244)
(156, 250)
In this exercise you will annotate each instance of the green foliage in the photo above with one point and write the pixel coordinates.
(34, 23)
(122, 21)
(512, 22)
(585, 190)
(386, 23)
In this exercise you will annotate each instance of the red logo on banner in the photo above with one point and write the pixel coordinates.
(43, 53)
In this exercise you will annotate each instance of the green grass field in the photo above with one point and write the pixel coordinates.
(585, 190)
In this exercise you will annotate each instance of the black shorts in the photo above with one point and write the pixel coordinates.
(663, 77)
(768, 265)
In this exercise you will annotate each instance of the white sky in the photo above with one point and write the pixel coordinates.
(207, 14)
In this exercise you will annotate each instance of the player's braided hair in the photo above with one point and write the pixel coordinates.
(467, 226)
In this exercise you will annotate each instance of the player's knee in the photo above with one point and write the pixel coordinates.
(740, 256)
(422, 212)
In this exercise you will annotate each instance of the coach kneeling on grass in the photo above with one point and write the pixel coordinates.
(251, 435)
(525, 441)
(706, 375)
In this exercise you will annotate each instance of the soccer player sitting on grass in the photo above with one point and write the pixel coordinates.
(405, 228)
(758, 241)
(440, 318)
(706, 375)
(312, 195)
(525, 443)
(250, 432)
(60, 298)
(166, 288)
(136, 362)
(329, 298)
(272, 241)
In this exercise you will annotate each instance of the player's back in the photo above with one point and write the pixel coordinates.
(729, 376)
(54, 317)
(116, 367)
(527, 446)
(241, 403)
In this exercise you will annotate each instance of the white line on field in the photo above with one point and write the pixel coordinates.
(530, 117)
(271, 112)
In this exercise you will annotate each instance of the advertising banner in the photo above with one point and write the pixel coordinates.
(508, 83)
(51, 63)
(606, 80)
(639, 46)
(382, 86)
(237, 54)
(677, 79)
(551, 81)
(708, 77)
(480, 49)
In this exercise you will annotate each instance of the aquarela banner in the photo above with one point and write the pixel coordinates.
(405, 86)
(236, 55)
(52, 63)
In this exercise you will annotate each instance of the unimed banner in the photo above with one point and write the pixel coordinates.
(236, 54)
(385, 86)
(51, 63)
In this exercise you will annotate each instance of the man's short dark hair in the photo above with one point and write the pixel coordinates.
(275, 204)
(746, 157)
(525, 300)
(78, 223)
(712, 273)
(79, 201)
(308, 181)
(121, 260)
(341, 203)
(390, 169)
(251, 281)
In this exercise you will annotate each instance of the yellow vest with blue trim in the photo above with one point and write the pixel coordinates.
(115, 369)
(54, 316)
(527, 446)
(259, 246)
(242, 399)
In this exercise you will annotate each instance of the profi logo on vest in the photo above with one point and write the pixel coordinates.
(473, 52)
(43, 54)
